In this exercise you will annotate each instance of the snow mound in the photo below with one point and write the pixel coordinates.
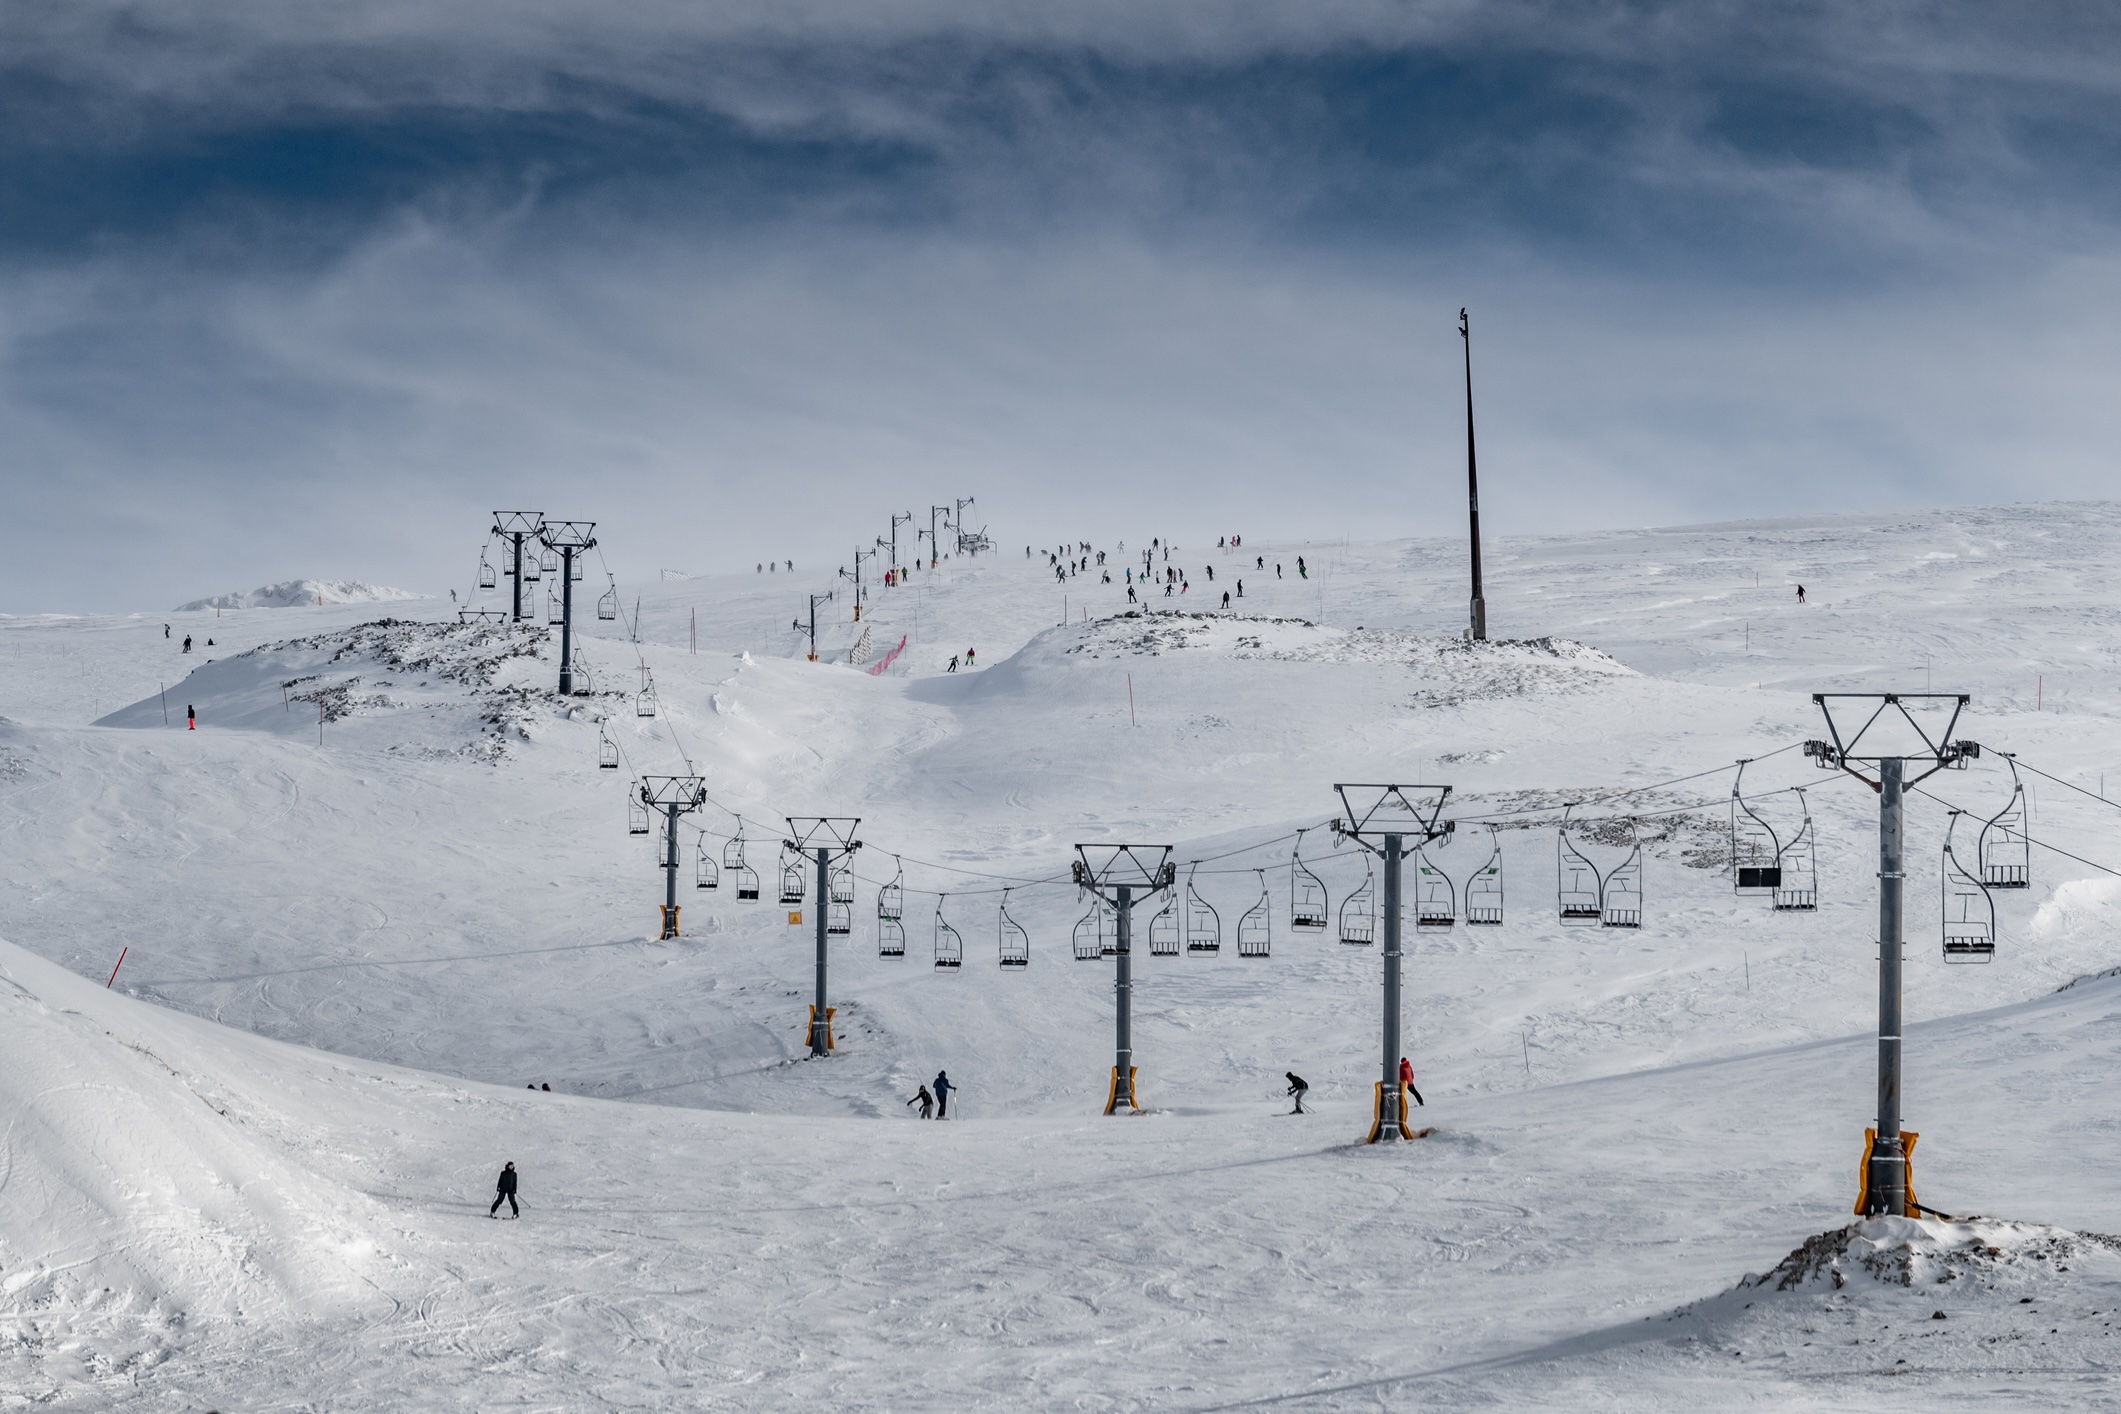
(294, 593)
(428, 689)
(1983, 1253)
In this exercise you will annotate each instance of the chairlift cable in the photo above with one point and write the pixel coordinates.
(2052, 849)
(2116, 804)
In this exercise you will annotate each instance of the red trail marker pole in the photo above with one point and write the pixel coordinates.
(1130, 702)
(120, 963)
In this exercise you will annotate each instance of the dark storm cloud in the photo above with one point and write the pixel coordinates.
(261, 263)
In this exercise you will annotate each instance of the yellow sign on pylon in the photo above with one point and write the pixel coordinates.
(670, 919)
(795, 918)
(1907, 1155)
(1114, 1095)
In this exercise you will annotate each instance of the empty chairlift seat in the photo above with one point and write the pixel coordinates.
(742, 876)
(1308, 905)
(791, 875)
(1969, 910)
(705, 874)
(608, 604)
(1255, 927)
(1015, 942)
(1435, 897)
(1358, 913)
(1096, 933)
(607, 751)
(1483, 892)
(949, 947)
(890, 917)
(1204, 926)
(1163, 930)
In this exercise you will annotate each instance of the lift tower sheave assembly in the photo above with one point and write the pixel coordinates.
(820, 837)
(1124, 876)
(514, 527)
(671, 797)
(1391, 815)
(1889, 732)
(570, 538)
(1478, 630)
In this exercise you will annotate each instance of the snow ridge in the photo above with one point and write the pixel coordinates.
(295, 593)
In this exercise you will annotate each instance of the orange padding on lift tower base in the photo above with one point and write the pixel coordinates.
(811, 1025)
(1112, 1096)
(1907, 1154)
(1377, 1116)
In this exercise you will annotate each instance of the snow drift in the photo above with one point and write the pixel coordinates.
(294, 593)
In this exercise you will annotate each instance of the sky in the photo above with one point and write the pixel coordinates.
(299, 289)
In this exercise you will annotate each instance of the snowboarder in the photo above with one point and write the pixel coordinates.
(1298, 1088)
(942, 1094)
(926, 1101)
(1303, 571)
(505, 1187)
(191, 718)
(1800, 594)
(187, 643)
(1406, 1078)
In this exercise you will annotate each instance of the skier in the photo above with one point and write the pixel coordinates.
(191, 719)
(505, 1187)
(926, 1101)
(1302, 571)
(1406, 1078)
(1226, 598)
(1240, 589)
(1259, 562)
(1211, 573)
(970, 659)
(1800, 594)
(187, 643)
(953, 664)
(165, 630)
(1298, 1088)
(1130, 594)
(1277, 569)
(942, 1094)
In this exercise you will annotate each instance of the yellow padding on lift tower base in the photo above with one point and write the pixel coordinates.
(1377, 1116)
(1863, 1183)
(812, 1024)
(670, 919)
(1112, 1096)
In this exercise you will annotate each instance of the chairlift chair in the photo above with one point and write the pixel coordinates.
(1435, 897)
(890, 916)
(1163, 929)
(549, 561)
(607, 751)
(1969, 910)
(1204, 926)
(487, 578)
(1756, 853)
(839, 907)
(1797, 875)
(1483, 892)
(791, 874)
(1096, 933)
(636, 818)
(1358, 912)
(1308, 904)
(2006, 854)
(575, 569)
(1620, 894)
(555, 609)
(1015, 942)
(608, 604)
(949, 947)
(705, 874)
(1578, 887)
(530, 568)
(741, 874)
(1255, 927)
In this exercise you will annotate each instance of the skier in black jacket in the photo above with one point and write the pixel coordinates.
(1298, 1089)
(505, 1188)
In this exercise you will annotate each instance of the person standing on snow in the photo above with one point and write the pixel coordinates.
(191, 718)
(1302, 571)
(970, 660)
(187, 643)
(1240, 589)
(943, 1087)
(1298, 1088)
(1406, 1078)
(505, 1187)
(1130, 594)
(1226, 598)
(1800, 594)
(926, 1101)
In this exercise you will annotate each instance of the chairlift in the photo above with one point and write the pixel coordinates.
(1204, 926)
(890, 916)
(839, 907)
(949, 947)
(574, 569)
(487, 578)
(1096, 932)
(1621, 897)
(530, 569)
(1308, 903)
(607, 751)
(2006, 854)
(1015, 942)
(1358, 912)
(1797, 876)
(644, 700)
(1163, 929)
(1255, 927)
(636, 817)
(1435, 897)
(1579, 881)
(1483, 892)
(555, 608)
(608, 605)
(741, 874)
(1969, 909)
(792, 890)
(1756, 853)
(549, 561)
(705, 874)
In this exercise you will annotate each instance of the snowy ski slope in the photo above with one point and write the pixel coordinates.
(439, 903)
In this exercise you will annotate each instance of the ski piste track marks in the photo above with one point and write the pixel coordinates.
(1623, 1124)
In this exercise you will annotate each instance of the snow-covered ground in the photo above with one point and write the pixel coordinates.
(389, 844)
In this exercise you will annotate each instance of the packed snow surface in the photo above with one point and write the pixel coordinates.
(386, 884)
(296, 593)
